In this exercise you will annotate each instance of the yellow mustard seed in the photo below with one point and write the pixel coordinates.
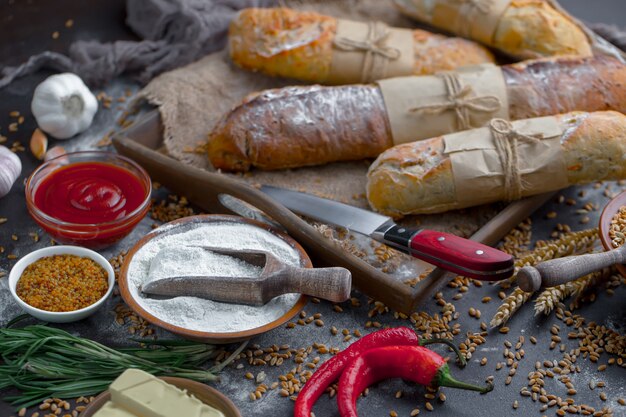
(62, 283)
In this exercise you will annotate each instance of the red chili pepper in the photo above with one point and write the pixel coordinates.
(414, 363)
(330, 370)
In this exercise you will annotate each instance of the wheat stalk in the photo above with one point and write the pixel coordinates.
(509, 306)
(548, 299)
(568, 244)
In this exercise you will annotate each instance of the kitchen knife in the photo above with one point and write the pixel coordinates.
(447, 251)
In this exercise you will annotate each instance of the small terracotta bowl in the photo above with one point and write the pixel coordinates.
(608, 213)
(209, 337)
(204, 393)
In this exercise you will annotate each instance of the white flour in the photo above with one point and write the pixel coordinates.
(196, 313)
(196, 261)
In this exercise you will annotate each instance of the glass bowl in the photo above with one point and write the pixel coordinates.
(93, 235)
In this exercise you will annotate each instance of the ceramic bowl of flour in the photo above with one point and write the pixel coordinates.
(175, 248)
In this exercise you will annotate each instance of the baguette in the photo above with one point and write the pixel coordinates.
(312, 125)
(418, 177)
(294, 44)
(524, 29)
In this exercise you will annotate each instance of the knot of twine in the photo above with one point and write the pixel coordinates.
(507, 140)
(461, 101)
(377, 52)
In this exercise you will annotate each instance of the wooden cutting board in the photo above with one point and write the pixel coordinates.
(143, 142)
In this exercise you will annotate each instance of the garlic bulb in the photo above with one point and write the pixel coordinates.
(10, 169)
(63, 105)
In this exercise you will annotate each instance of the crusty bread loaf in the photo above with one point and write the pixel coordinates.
(560, 85)
(298, 126)
(417, 177)
(312, 125)
(526, 29)
(533, 28)
(294, 44)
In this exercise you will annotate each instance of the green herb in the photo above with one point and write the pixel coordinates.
(44, 362)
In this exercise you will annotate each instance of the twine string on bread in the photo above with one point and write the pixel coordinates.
(507, 140)
(377, 52)
(460, 100)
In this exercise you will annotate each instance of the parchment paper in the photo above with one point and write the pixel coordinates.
(403, 96)
(347, 65)
(478, 170)
(475, 19)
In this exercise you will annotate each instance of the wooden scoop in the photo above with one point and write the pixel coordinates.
(559, 271)
(276, 278)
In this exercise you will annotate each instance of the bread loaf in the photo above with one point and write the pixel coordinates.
(294, 44)
(520, 28)
(312, 125)
(418, 177)
(300, 126)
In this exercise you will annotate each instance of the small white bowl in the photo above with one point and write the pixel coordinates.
(64, 316)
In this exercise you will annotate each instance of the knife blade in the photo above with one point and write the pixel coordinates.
(453, 253)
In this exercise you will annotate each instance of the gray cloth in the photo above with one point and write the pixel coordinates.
(611, 33)
(174, 33)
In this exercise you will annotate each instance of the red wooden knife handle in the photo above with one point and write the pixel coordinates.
(454, 253)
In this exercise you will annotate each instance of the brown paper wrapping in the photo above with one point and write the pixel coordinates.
(473, 19)
(478, 170)
(407, 100)
(361, 55)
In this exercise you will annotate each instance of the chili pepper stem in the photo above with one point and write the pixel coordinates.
(459, 355)
(444, 379)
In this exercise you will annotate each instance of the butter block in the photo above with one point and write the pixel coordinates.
(109, 409)
(147, 396)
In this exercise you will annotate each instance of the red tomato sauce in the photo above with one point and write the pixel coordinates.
(90, 193)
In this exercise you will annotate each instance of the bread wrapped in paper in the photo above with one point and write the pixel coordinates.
(312, 125)
(520, 28)
(313, 47)
(504, 161)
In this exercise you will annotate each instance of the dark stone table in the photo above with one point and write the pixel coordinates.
(27, 28)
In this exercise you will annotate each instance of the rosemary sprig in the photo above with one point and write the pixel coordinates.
(44, 362)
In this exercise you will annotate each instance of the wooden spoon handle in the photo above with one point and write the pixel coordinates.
(331, 284)
(559, 271)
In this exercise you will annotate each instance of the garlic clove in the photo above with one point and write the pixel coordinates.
(54, 153)
(38, 144)
(10, 169)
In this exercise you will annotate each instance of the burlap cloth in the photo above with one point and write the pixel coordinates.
(192, 99)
